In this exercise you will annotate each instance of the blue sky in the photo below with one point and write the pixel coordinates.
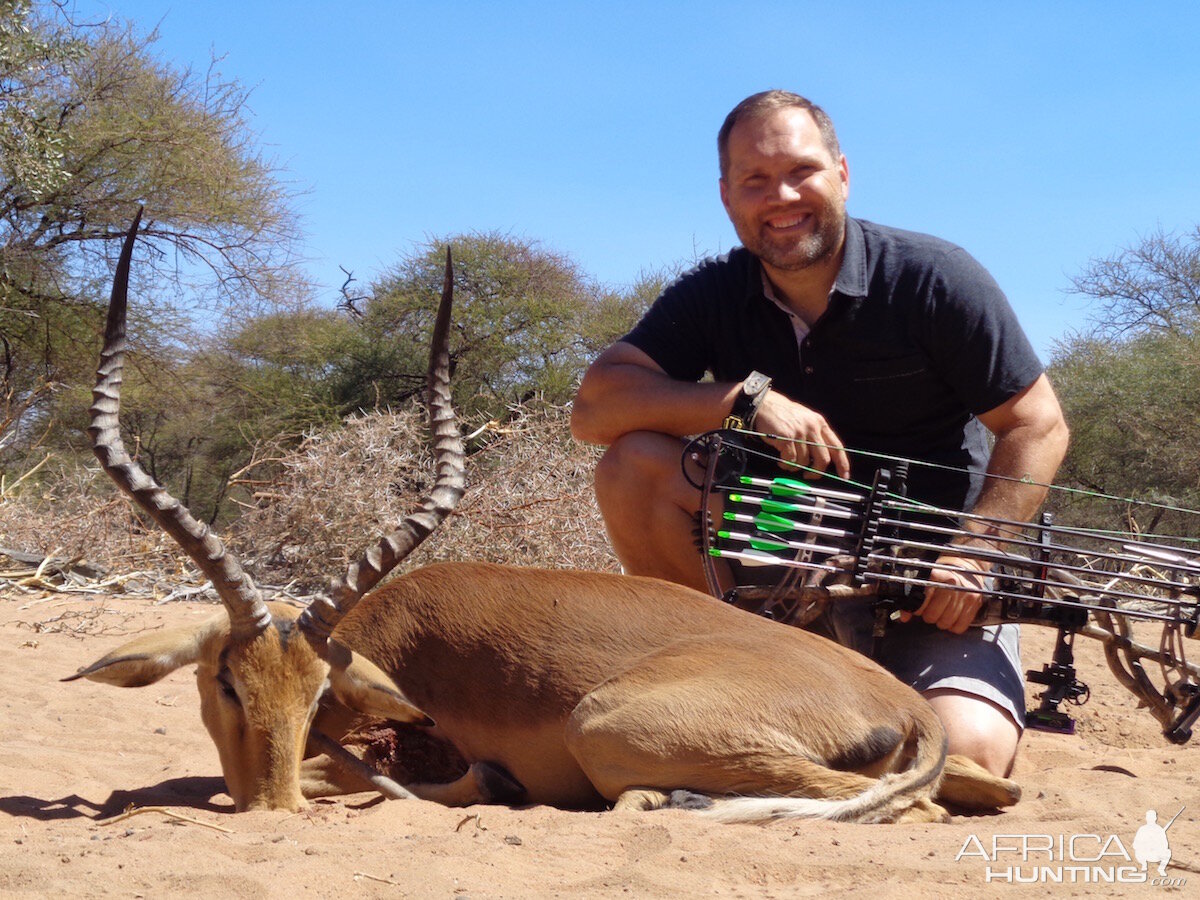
(1036, 135)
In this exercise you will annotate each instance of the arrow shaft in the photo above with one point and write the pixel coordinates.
(774, 524)
(760, 558)
(1021, 562)
(773, 543)
(1060, 549)
(790, 487)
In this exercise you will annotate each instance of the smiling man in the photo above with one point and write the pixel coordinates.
(834, 332)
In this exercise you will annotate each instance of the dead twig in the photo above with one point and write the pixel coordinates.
(183, 593)
(359, 875)
(8, 489)
(81, 623)
(138, 810)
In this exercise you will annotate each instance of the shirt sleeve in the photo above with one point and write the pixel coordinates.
(677, 331)
(974, 336)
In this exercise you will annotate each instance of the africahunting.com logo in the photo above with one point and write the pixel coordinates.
(1077, 858)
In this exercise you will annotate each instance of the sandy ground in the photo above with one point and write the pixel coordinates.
(74, 756)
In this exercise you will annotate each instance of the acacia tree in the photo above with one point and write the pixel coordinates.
(1130, 382)
(1151, 286)
(93, 126)
(526, 322)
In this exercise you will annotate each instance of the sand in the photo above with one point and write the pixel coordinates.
(75, 756)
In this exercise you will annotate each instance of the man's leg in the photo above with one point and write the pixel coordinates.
(977, 729)
(649, 508)
(973, 681)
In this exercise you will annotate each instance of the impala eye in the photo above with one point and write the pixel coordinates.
(225, 680)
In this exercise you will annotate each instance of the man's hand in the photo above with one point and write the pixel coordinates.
(1031, 438)
(816, 444)
(952, 608)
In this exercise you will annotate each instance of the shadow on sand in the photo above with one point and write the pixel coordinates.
(194, 792)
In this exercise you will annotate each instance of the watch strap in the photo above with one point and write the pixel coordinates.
(748, 401)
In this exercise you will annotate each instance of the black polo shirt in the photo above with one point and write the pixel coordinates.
(918, 339)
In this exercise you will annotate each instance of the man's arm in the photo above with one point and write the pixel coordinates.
(624, 390)
(1031, 440)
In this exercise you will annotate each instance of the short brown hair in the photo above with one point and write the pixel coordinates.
(768, 101)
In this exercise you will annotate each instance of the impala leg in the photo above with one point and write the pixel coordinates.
(640, 800)
(660, 727)
(636, 768)
(922, 811)
(483, 783)
(969, 785)
(320, 776)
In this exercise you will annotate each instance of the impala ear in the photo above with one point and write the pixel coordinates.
(146, 659)
(363, 686)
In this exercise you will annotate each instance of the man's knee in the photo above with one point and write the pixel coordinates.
(977, 729)
(638, 462)
(649, 507)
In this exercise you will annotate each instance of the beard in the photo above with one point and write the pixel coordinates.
(794, 253)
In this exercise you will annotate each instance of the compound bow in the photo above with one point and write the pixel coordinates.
(800, 545)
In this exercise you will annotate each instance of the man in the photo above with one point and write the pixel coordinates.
(874, 339)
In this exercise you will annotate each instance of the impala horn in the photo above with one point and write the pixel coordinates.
(324, 613)
(248, 615)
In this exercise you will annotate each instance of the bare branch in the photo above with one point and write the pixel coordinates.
(349, 302)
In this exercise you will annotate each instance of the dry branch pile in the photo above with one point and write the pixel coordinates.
(307, 511)
(529, 500)
(73, 532)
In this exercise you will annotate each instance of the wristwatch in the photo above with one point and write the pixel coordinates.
(745, 407)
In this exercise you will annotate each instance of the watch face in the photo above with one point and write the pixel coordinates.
(754, 383)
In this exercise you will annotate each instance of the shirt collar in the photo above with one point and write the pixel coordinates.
(851, 280)
(799, 326)
(852, 277)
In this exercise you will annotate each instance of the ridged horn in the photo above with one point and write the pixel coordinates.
(248, 615)
(323, 614)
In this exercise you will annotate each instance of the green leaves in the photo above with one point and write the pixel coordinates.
(92, 125)
(527, 322)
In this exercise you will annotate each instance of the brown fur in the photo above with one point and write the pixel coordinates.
(586, 688)
(585, 685)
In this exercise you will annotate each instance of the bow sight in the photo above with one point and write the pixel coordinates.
(797, 546)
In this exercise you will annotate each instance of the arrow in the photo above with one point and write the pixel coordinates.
(1023, 562)
(832, 512)
(780, 506)
(761, 558)
(768, 545)
(774, 524)
(790, 487)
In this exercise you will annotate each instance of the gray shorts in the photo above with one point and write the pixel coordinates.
(985, 662)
